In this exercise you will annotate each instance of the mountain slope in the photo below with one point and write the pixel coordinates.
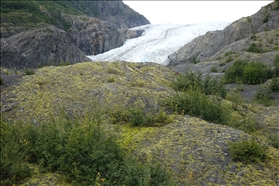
(77, 20)
(203, 47)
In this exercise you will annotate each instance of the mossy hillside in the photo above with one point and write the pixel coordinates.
(197, 152)
(73, 88)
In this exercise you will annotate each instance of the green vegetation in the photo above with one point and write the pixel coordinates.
(196, 103)
(137, 117)
(193, 99)
(207, 85)
(213, 69)
(276, 64)
(245, 72)
(195, 60)
(247, 125)
(29, 13)
(263, 96)
(273, 138)
(81, 149)
(29, 71)
(256, 48)
(248, 151)
(266, 17)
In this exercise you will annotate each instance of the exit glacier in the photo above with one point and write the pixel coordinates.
(157, 42)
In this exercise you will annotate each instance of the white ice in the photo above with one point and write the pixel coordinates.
(157, 42)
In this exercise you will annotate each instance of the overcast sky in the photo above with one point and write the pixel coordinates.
(187, 12)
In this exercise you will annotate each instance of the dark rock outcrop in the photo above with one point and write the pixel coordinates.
(93, 36)
(47, 45)
(207, 45)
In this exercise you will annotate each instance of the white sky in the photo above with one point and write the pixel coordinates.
(188, 12)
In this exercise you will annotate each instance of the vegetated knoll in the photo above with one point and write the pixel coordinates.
(195, 150)
(77, 22)
(203, 47)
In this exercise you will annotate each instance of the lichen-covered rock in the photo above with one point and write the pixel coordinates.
(197, 151)
(75, 87)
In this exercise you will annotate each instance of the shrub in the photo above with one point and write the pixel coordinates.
(274, 85)
(195, 60)
(248, 125)
(256, 48)
(29, 72)
(208, 85)
(13, 167)
(255, 73)
(81, 149)
(263, 96)
(266, 17)
(248, 151)
(273, 138)
(250, 73)
(235, 72)
(214, 69)
(196, 103)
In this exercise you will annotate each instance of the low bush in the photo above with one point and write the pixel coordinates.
(213, 69)
(208, 84)
(195, 103)
(81, 149)
(247, 125)
(29, 72)
(256, 48)
(250, 73)
(274, 85)
(13, 166)
(263, 96)
(255, 73)
(248, 151)
(273, 138)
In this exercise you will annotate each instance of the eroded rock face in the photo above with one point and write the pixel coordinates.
(93, 36)
(38, 47)
(207, 45)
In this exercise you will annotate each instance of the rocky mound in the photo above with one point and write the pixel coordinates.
(195, 150)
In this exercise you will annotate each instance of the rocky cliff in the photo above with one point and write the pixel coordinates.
(79, 30)
(203, 47)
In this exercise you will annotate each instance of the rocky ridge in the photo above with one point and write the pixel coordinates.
(204, 47)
